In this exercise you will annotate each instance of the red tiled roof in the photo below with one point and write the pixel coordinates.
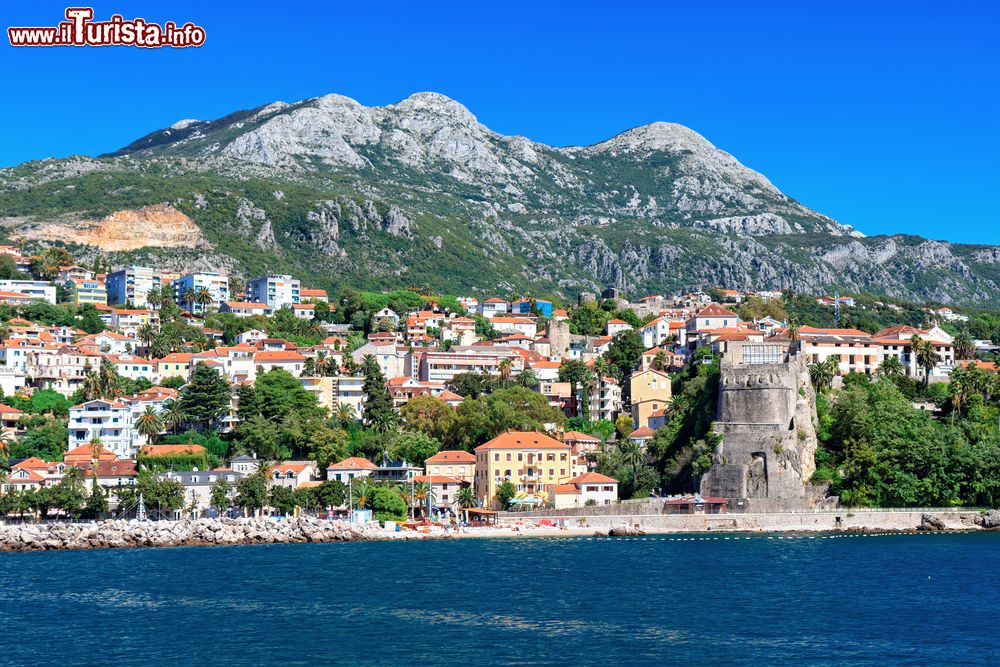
(523, 440)
(593, 478)
(353, 463)
(452, 456)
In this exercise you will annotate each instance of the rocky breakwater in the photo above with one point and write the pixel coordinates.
(113, 534)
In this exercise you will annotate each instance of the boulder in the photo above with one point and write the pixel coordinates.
(929, 522)
(989, 520)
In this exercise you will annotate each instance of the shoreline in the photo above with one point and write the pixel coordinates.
(117, 534)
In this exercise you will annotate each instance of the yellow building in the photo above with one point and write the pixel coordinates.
(174, 364)
(533, 462)
(650, 391)
(452, 463)
(88, 291)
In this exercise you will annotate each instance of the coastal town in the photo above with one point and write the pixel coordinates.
(141, 392)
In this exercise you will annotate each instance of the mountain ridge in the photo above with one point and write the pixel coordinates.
(420, 192)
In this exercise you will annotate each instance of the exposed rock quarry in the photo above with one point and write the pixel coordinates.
(157, 225)
(113, 534)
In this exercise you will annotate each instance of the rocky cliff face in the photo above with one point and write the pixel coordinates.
(420, 193)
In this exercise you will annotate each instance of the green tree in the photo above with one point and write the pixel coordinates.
(328, 445)
(505, 493)
(466, 497)
(282, 498)
(206, 396)
(926, 356)
(891, 367)
(430, 415)
(822, 373)
(174, 415)
(964, 347)
(221, 495)
(578, 374)
(633, 456)
(149, 423)
(251, 491)
(388, 505)
(415, 447)
(8, 268)
(378, 408)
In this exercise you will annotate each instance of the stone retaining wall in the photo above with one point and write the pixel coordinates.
(129, 534)
(781, 522)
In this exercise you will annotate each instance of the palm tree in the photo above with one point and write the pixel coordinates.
(149, 423)
(632, 456)
(823, 372)
(466, 498)
(346, 414)
(202, 297)
(386, 422)
(146, 334)
(959, 384)
(526, 379)
(926, 356)
(369, 365)
(95, 457)
(92, 386)
(174, 415)
(964, 347)
(320, 362)
(421, 491)
(890, 367)
(361, 494)
(505, 367)
(109, 379)
(6, 440)
(161, 346)
(660, 361)
(155, 297)
(309, 367)
(200, 342)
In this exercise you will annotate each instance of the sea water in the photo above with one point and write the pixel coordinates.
(711, 599)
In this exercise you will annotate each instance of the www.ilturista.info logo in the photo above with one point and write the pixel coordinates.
(79, 29)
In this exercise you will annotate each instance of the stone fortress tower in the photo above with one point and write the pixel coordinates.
(767, 420)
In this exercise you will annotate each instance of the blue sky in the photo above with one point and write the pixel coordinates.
(881, 115)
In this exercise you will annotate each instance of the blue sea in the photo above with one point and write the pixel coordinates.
(929, 599)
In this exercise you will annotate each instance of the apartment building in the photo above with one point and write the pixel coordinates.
(191, 284)
(275, 290)
(132, 285)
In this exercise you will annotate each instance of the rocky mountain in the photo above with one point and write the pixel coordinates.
(419, 193)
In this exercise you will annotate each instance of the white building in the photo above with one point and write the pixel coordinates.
(131, 285)
(492, 307)
(243, 309)
(588, 489)
(33, 289)
(275, 290)
(188, 285)
(514, 325)
(111, 422)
